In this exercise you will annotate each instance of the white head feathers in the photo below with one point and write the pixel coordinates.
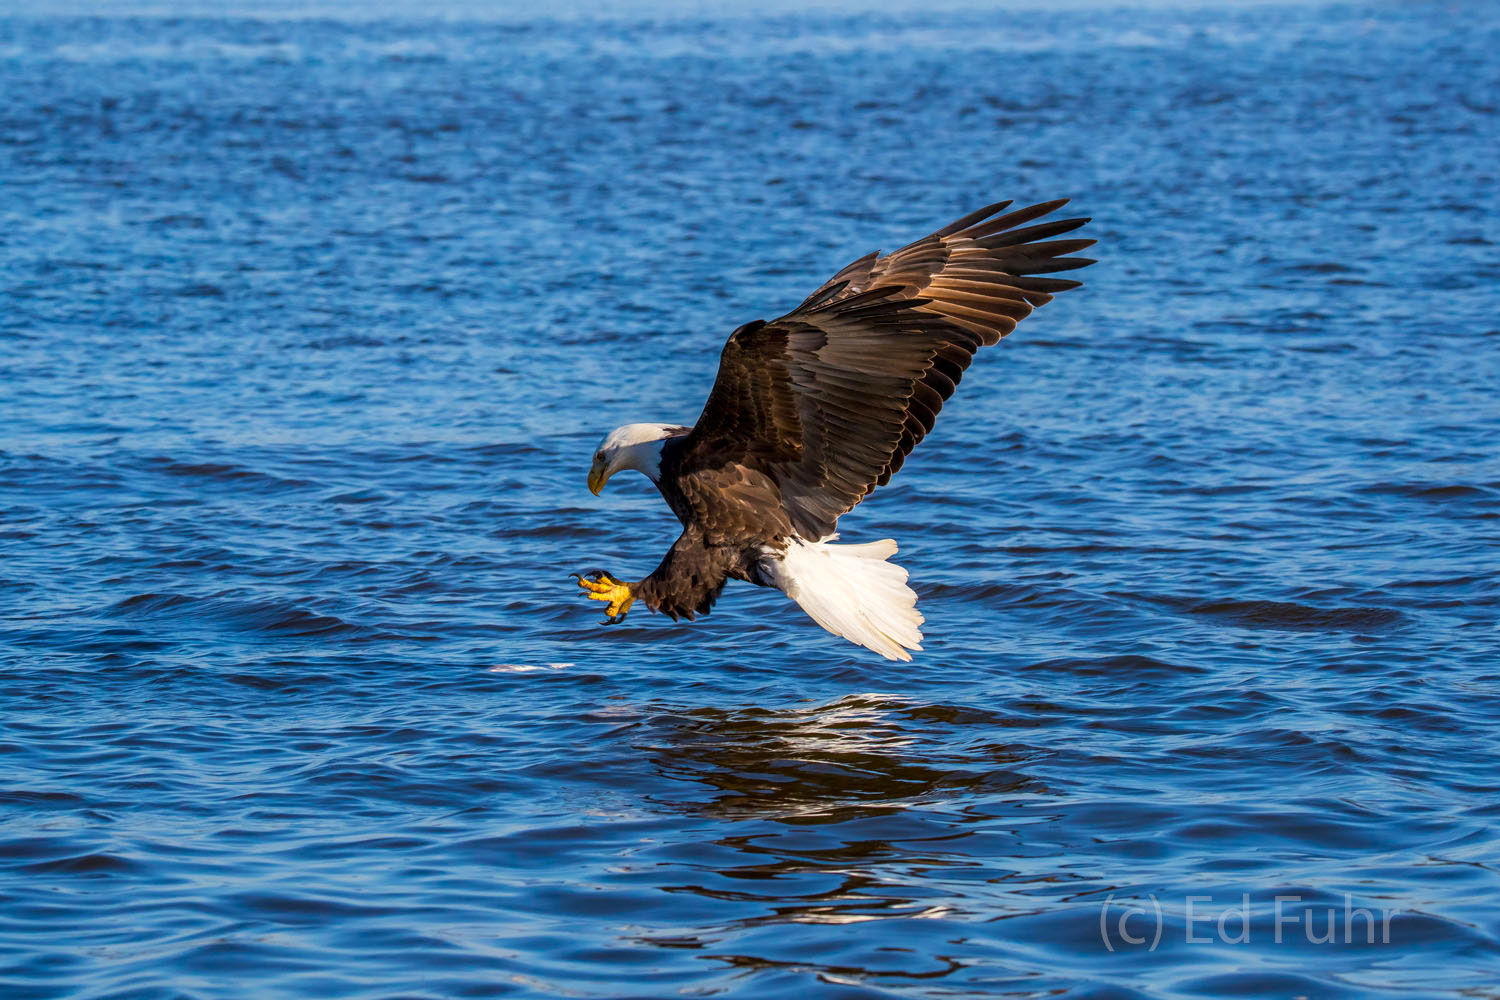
(634, 446)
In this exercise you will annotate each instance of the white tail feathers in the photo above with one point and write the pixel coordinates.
(854, 593)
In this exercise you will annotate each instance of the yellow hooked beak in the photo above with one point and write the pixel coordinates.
(596, 478)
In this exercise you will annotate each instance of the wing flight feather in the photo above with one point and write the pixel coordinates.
(828, 400)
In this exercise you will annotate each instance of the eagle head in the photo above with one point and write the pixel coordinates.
(634, 446)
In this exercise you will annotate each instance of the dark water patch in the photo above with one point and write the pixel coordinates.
(1278, 614)
(181, 221)
(357, 497)
(1457, 583)
(85, 865)
(1141, 667)
(200, 291)
(1319, 267)
(333, 343)
(37, 799)
(298, 684)
(1264, 984)
(265, 617)
(220, 472)
(1425, 491)
(147, 604)
(306, 910)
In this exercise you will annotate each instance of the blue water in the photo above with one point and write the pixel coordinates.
(311, 325)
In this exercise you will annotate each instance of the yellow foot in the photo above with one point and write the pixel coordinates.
(603, 587)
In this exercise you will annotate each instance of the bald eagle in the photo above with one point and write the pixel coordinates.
(812, 411)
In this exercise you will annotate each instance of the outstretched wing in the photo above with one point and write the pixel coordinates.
(829, 399)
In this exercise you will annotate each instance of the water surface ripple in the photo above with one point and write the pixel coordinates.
(311, 326)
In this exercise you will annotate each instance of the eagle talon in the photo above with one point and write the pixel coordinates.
(600, 586)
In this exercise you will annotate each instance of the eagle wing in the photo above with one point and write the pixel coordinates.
(828, 400)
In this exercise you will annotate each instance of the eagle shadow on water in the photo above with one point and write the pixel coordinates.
(811, 412)
(859, 757)
(865, 797)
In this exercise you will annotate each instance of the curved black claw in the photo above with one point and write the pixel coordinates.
(591, 575)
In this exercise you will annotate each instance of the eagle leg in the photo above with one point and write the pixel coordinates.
(603, 587)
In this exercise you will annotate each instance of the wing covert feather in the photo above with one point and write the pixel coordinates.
(828, 400)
